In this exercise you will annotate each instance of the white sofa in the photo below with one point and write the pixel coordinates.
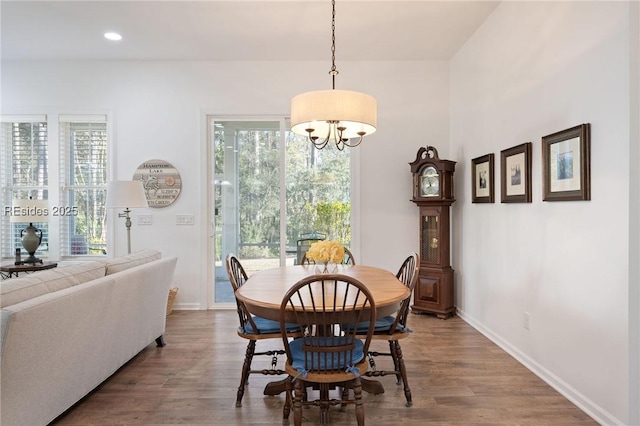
(65, 330)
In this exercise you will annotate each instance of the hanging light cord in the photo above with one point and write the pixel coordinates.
(334, 125)
(333, 71)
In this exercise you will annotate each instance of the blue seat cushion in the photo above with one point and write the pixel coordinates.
(267, 326)
(382, 324)
(335, 361)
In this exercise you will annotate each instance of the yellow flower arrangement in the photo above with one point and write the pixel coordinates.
(326, 251)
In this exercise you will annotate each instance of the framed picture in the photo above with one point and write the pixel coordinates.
(566, 164)
(482, 178)
(515, 174)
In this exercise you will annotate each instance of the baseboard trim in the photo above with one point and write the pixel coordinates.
(187, 307)
(585, 404)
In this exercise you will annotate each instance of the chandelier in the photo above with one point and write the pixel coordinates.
(334, 115)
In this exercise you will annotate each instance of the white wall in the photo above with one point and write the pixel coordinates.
(157, 110)
(416, 115)
(532, 69)
(634, 222)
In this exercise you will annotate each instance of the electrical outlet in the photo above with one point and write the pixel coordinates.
(144, 219)
(185, 219)
(527, 320)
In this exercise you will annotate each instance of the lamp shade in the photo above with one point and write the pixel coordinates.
(126, 193)
(29, 211)
(355, 111)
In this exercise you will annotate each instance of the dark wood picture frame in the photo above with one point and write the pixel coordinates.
(482, 179)
(515, 174)
(566, 164)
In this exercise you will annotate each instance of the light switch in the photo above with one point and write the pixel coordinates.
(144, 219)
(184, 219)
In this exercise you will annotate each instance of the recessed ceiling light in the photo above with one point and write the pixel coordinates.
(113, 36)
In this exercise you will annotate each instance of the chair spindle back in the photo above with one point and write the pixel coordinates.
(329, 305)
(408, 274)
(237, 277)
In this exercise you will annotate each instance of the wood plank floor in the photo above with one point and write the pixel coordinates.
(457, 377)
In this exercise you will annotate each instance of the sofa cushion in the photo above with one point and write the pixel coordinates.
(5, 317)
(18, 290)
(129, 261)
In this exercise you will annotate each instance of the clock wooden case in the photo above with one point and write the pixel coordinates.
(433, 194)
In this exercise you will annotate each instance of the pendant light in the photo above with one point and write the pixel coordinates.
(343, 117)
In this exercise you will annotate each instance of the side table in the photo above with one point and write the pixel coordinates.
(8, 271)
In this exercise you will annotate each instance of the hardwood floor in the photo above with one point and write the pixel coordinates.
(457, 376)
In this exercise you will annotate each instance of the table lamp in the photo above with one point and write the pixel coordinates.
(30, 211)
(128, 194)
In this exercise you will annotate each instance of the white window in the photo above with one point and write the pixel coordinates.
(83, 155)
(75, 158)
(25, 175)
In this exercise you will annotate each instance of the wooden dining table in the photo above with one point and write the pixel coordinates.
(263, 292)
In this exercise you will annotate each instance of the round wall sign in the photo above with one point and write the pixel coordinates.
(161, 182)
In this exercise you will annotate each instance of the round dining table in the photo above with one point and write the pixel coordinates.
(263, 292)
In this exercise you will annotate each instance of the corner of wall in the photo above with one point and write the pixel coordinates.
(634, 214)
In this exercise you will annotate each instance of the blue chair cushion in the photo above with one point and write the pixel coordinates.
(335, 361)
(382, 324)
(267, 326)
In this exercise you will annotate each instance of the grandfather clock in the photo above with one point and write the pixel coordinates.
(433, 193)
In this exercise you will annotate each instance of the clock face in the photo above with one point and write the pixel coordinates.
(430, 184)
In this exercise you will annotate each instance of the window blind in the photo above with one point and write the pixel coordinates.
(83, 156)
(24, 165)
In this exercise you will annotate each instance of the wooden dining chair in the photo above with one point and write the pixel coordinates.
(326, 359)
(254, 328)
(348, 259)
(394, 328)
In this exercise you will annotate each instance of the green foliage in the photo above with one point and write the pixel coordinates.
(333, 218)
(255, 252)
(318, 191)
(317, 188)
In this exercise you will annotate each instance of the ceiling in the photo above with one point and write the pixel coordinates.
(238, 30)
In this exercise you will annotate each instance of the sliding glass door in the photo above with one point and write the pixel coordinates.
(268, 190)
